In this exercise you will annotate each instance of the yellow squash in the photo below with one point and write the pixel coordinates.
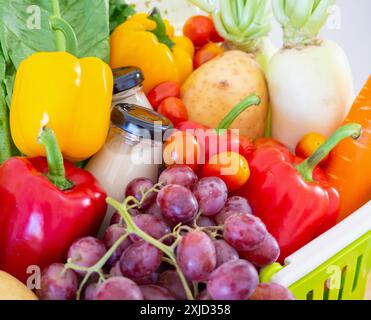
(148, 42)
(71, 96)
(13, 289)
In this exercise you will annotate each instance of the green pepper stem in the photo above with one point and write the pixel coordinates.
(306, 168)
(65, 35)
(160, 31)
(252, 100)
(54, 157)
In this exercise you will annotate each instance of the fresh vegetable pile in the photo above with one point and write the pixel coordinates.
(233, 157)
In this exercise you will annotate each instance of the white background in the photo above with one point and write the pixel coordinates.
(352, 32)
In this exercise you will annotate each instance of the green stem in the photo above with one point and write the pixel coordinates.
(54, 157)
(252, 100)
(66, 39)
(306, 168)
(98, 266)
(301, 20)
(241, 23)
(61, 45)
(5, 138)
(160, 31)
(131, 228)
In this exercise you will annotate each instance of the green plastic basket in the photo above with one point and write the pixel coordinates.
(314, 273)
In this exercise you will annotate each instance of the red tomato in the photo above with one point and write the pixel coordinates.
(215, 37)
(199, 29)
(231, 167)
(162, 91)
(174, 109)
(207, 53)
(190, 125)
(181, 148)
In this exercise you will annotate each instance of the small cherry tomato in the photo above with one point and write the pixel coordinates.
(162, 91)
(174, 109)
(207, 53)
(199, 29)
(182, 148)
(309, 144)
(231, 167)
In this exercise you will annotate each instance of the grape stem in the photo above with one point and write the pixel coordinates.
(98, 266)
(195, 288)
(132, 228)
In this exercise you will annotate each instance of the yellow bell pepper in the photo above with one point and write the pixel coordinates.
(148, 42)
(71, 96)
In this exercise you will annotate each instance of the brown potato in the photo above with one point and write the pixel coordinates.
(216, 87)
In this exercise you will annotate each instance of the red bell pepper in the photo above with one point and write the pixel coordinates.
(222, 139)
(293, 197)
(45, 206)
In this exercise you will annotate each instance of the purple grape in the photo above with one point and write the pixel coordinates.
(203, 296)
(224, 252)
(155, 211)
(205, 222)
(177, 203)
(244, 232)
(171, 281)
(178, 174)
(137, 188)
(147, 280)
(112, 234)
(196, 256)
(91, 291)
(234, 205)
(234, 280)
(140, 260)
(153, 293)
(117, 219)
(238, 204)
(58, 283)
(118, 288)
(271, 291)
(265, 254)
(86, 252)
(116, 270)
(223, 215)
(211, 194)
(151, 225)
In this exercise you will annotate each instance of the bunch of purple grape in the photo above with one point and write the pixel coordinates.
(181, 239)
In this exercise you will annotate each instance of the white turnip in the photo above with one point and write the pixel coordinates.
(310, 80)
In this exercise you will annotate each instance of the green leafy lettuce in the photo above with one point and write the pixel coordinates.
(119, 11)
